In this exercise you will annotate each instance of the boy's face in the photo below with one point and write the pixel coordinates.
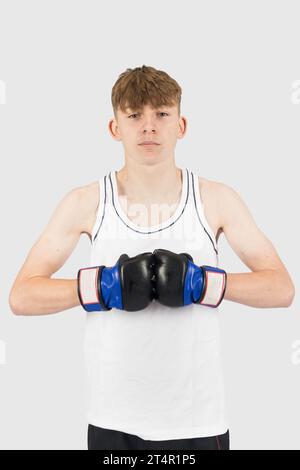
(162, 126)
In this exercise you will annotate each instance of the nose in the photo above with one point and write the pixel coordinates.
(150, 129)
(148, 125)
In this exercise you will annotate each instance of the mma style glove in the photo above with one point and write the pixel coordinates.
(179, 282)
(127, 285)
(170, 278)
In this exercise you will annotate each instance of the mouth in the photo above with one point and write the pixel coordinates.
(148, 143)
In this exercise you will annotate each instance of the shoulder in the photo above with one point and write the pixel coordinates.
(85, 201)
(89, 193)
(211, 189)
(85, 196)
(220, 197)
(210, 184)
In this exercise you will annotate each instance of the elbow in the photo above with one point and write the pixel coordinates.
(15, 304)
(291, 291)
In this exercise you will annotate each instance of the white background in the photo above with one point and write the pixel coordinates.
(238, 65)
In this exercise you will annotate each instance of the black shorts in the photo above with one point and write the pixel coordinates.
(109, 439)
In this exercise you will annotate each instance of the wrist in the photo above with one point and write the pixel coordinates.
(89, 289)
(213, 286)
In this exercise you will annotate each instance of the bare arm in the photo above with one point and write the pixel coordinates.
(33, 291)
(269, 284)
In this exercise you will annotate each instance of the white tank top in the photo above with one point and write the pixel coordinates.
(155, 373)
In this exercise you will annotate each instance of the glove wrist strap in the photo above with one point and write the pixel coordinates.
(214, 286)
(89, 289)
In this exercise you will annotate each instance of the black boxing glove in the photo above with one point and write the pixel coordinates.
(179, 282)
(127, 285)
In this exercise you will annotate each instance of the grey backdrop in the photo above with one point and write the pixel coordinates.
(238, 65)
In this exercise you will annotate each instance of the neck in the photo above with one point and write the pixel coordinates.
(153, 184)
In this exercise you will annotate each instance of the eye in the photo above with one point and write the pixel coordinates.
(135, 114)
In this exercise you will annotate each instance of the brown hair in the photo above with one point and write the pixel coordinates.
(145, 85)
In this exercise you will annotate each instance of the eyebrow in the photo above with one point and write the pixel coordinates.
(130, 110)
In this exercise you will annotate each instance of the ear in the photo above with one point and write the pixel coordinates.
(182, 127)
(113, 129)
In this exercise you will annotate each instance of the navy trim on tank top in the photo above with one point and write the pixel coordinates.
(160, 229)
(199, 215)
(104, 206)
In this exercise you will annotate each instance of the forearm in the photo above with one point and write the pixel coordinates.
(42, 296)
(261, 289)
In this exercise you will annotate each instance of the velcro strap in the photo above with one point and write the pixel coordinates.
(214, 286)
(89, 288)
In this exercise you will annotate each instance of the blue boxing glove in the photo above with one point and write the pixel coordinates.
(127, 285)
(179, 282)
